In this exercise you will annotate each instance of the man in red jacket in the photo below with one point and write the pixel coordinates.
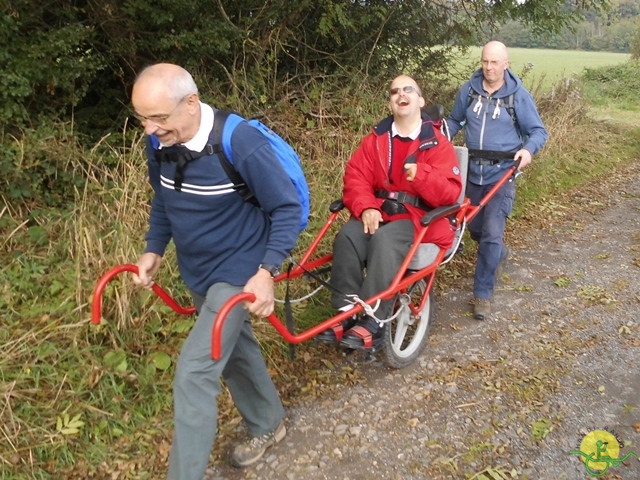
(402, 169)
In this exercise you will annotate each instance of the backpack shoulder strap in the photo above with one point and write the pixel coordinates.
(220, 122)
(228, 125)
(511, 109)
(470, 96)
(224, 124)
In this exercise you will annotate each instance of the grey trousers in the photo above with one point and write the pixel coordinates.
(381, 254)
(197, 384)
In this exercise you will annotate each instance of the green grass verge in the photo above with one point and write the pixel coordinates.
(544, 67)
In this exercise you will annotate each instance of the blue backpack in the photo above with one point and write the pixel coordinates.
(223, 127)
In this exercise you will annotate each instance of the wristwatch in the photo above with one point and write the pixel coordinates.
(272, 269)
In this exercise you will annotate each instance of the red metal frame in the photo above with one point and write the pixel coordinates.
(465, 212)
(96, 305)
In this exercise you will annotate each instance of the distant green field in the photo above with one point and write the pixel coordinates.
(551, 65)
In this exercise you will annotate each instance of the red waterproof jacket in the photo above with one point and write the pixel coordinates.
(437, 180)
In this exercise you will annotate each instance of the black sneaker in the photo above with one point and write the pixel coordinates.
(334, 334)
(367, 333)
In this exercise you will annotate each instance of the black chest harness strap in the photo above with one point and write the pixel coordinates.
(181, 155)
(396, 201)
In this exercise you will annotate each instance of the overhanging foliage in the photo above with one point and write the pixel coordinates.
(80, 56)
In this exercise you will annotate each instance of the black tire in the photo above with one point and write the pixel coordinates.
(405, 337)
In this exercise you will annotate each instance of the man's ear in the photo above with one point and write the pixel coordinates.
(192, 101)
(421, 102)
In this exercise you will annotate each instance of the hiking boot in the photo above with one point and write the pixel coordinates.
(506, 255)
(252, 450)
(481, 308)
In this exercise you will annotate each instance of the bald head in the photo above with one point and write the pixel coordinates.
(495, 49)
(165, 99)
(165, 79)
(404, 80)
(405, 102)
(494, 63)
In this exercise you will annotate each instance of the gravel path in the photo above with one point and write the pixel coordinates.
(510, 397)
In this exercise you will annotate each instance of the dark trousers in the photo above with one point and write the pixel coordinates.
(381, 254)
(487, 228)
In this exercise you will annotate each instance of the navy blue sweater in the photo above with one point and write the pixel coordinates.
(218, 236)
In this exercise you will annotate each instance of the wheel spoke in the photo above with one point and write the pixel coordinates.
(406, 335)
(401, 331)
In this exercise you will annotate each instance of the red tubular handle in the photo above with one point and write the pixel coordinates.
(475, 209)
(96, 306)
(218, 322)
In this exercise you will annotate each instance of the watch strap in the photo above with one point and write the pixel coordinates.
(274, 270)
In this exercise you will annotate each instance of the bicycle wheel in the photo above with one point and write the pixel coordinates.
(405, 337)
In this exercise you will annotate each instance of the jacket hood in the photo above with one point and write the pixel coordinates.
(511, 83)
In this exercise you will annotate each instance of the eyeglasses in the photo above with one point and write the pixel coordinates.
(159, 119)
(492, 63)
(405, 89)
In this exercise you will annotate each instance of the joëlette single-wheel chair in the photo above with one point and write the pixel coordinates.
(406, 330)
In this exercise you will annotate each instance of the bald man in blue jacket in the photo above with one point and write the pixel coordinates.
(502, 125)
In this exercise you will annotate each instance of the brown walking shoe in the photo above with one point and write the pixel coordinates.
(481, 308)
(253, 449)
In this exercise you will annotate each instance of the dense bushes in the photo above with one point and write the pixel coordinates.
(63, 57)
(620, 83)
(71, 63)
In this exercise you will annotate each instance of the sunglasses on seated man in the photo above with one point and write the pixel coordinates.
(405, 89)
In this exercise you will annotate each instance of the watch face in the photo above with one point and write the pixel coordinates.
(272, 269)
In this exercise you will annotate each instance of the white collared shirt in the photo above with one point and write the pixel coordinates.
(413, 135)
(201, 138)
